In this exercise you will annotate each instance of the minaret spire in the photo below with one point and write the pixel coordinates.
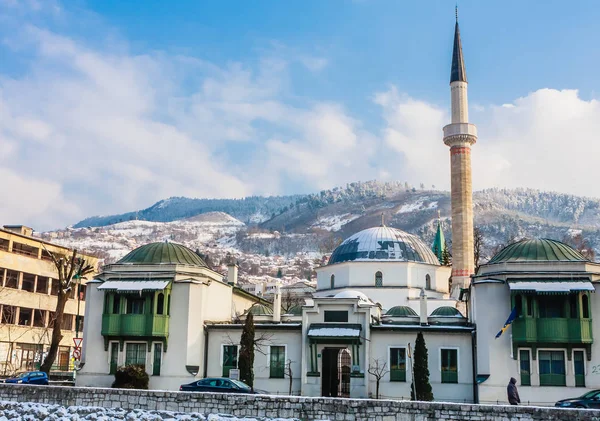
(459, 135)
(458, 72)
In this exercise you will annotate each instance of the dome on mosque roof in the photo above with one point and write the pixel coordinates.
(295, 310)
(261, 310)
(352, 294)
(383, 244)
(446, 311)
(401, 311)
(162, 253)
(539, 250)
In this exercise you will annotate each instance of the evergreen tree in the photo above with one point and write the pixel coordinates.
(279, 273)
(246, 359)
(421, 372)
(446, 258)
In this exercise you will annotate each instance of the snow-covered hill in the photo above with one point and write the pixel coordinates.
(297, 235)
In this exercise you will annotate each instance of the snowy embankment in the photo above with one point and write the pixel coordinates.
(37, 411)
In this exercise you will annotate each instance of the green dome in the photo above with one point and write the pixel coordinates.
(295, 310)
(162, 254)
(261, 310)
(401, 311)
(446, 311)
(542, 250)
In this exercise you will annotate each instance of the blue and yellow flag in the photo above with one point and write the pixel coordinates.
(511, 318)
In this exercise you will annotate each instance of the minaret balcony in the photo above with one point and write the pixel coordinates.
(457, 129)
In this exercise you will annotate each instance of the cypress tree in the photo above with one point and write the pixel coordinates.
(421, 372)
(246, 359)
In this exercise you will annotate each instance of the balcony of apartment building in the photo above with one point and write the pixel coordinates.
(136, 315)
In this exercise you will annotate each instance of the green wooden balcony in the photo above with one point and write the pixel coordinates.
(148, 325)
(552, 330)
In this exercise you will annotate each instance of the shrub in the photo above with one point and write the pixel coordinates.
(131, 377)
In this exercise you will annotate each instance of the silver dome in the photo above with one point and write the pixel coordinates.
(383, 244)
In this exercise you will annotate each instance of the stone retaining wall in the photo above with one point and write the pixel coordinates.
(305, 408)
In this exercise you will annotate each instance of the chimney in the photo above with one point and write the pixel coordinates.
(232, 274)
(423, 310)
(277, 304)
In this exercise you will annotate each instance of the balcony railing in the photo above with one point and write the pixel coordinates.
(552, 330)
(553, 380)
(149, 325)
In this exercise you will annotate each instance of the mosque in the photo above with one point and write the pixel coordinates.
(162, 307)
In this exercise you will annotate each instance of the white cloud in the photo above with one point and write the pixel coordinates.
(88, 130)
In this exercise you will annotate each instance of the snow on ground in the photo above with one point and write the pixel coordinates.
(334, 222)
(37, 411)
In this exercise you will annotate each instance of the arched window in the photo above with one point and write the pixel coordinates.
(427, 281)
(378, 279)
(160, 304)
(332, 282)
(530, 305)
(585, 304)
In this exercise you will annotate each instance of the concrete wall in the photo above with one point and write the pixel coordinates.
(274, 407)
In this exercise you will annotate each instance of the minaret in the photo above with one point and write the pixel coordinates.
(459, 136)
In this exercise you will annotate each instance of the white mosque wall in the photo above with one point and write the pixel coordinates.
(382, 341)
(290, 339)
(491, 308)
(395, 274)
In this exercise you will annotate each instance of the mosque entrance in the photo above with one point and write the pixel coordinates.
(335, 378)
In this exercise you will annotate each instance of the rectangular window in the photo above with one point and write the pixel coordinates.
(28, 283)
(135, 354)
(79, 323)
(42, 285)
(82, 291)
(157, 359)
(230, 358)
(4, 244)
(135, 305)
(277, 362)
(116, 307)
(552, 368)
(39, 318)
(67, 322)
(25, 249)
(551, 306)
(12, 279)
(54, 287)
(336, 316)
(524, 357)
(114, 357)
(25, 315)
(397, 364)
(579, 366)
(449, 361)
(9, 315)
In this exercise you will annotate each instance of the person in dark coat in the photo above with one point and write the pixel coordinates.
(513, 394)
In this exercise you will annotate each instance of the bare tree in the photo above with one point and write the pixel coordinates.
(377, 369)
(579, 243)
(289, 374)
(68, 269)
(289, 301)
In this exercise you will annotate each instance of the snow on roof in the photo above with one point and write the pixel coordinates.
(333, 332)
(141, 285)
(551, 286)
(352, 294)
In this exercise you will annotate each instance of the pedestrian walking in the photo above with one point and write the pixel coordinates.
(513, 393)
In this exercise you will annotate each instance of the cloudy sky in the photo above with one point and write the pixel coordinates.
(108, 106)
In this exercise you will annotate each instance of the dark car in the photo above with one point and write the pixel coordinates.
(588, 400)
(30, 377)
(219, 385)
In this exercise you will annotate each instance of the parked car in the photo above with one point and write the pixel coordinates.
(587, 400)
(30, 377)
(219, 385)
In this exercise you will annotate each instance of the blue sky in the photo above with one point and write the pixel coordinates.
(108, 106)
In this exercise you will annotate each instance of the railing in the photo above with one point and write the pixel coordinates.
(552, 330)
(449, 376)
(398, 375)
(553, 380)
(135, 325)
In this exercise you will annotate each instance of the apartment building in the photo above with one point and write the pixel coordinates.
(28, 296)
